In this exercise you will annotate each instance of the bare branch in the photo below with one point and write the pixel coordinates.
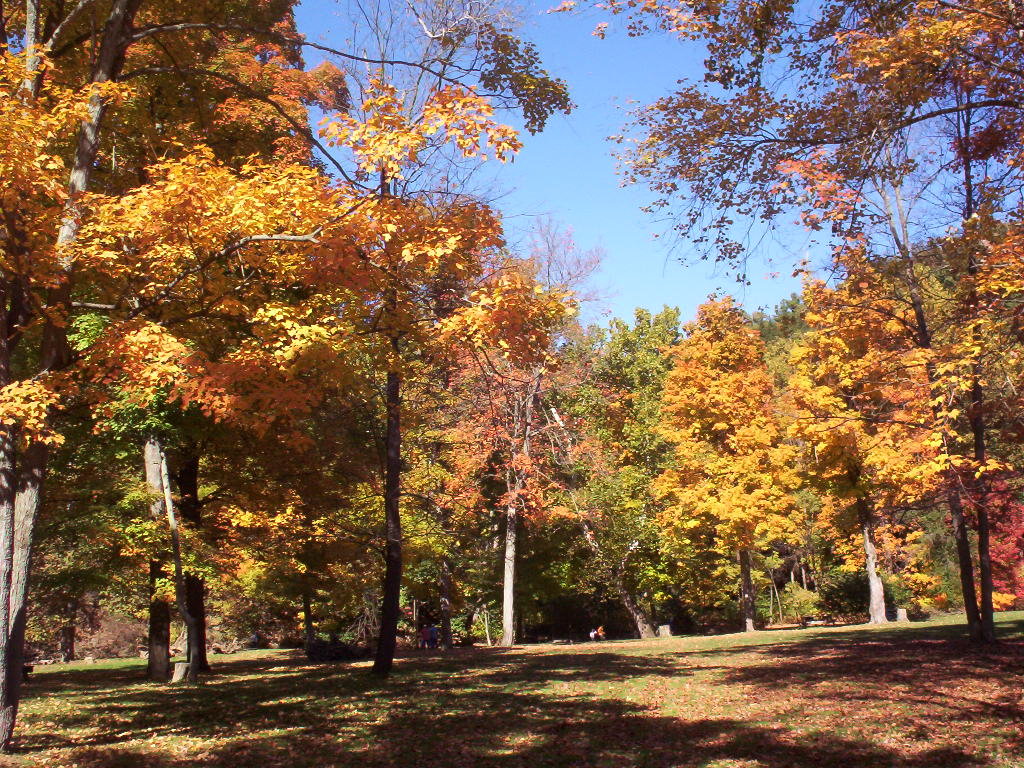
(66, 22)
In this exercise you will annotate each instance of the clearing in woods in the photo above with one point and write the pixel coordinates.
(911, 696)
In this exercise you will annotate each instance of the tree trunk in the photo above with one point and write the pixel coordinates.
(54, 353)
(191, 626)
(31, 46)
(390, 608)
(158, 667)
(445, 588)
(10, 655)
(773, 597)
(308, 627)
(468, 620)
(195, 601)
(988, 625)
(487, 626)
(9, 299)
(876, 590)
(515, 481)
(977, 421)
(966, 565)
(187, 478)
(508, 585)
(976, 412)
(746, 591)
(27, 499)
(965, 560)
(644, 625)
(980, 623)
(67, 631)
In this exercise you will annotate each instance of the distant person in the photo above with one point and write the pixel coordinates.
(432, 636)
(424, 639)
(600, 633)
(593, 634)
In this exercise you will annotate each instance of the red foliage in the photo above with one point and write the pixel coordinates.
(1007, 544)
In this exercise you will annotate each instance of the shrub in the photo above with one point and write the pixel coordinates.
(844, 593)
(798, 602)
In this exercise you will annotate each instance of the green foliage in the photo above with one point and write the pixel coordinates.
(844, 593)
(798, 602)
(86, 329)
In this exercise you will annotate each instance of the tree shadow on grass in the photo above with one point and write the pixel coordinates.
(473, 709)
(252, 696)
(921, 684)
(911, 661)
(552, 735)
(55, 679)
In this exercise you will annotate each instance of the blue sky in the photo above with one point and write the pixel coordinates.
(568, 173)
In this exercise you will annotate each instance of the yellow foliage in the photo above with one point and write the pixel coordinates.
(733, 472)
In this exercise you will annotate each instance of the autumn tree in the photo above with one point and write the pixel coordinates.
(732, 479)
(869, 106)
(68, 45)
(859, 404)
(251, 71)
(609, 408)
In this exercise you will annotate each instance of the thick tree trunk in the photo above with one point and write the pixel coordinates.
(158, 667)
(965, 563)
(187, 478)
(876, 590)
(470, 617)
(191, 626)
(746, 591)
(988, 625)
(515, 481)
(27, 498)
(195, 601)
(644, 625)
(445, 588)
(390, 608)
(54, 353)
(508, 584)
(10, 655)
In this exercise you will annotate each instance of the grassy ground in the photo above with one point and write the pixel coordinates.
(912, 697)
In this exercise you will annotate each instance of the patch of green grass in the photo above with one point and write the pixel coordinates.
(910, 696)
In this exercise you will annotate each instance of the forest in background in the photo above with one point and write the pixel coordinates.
(269, 368)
